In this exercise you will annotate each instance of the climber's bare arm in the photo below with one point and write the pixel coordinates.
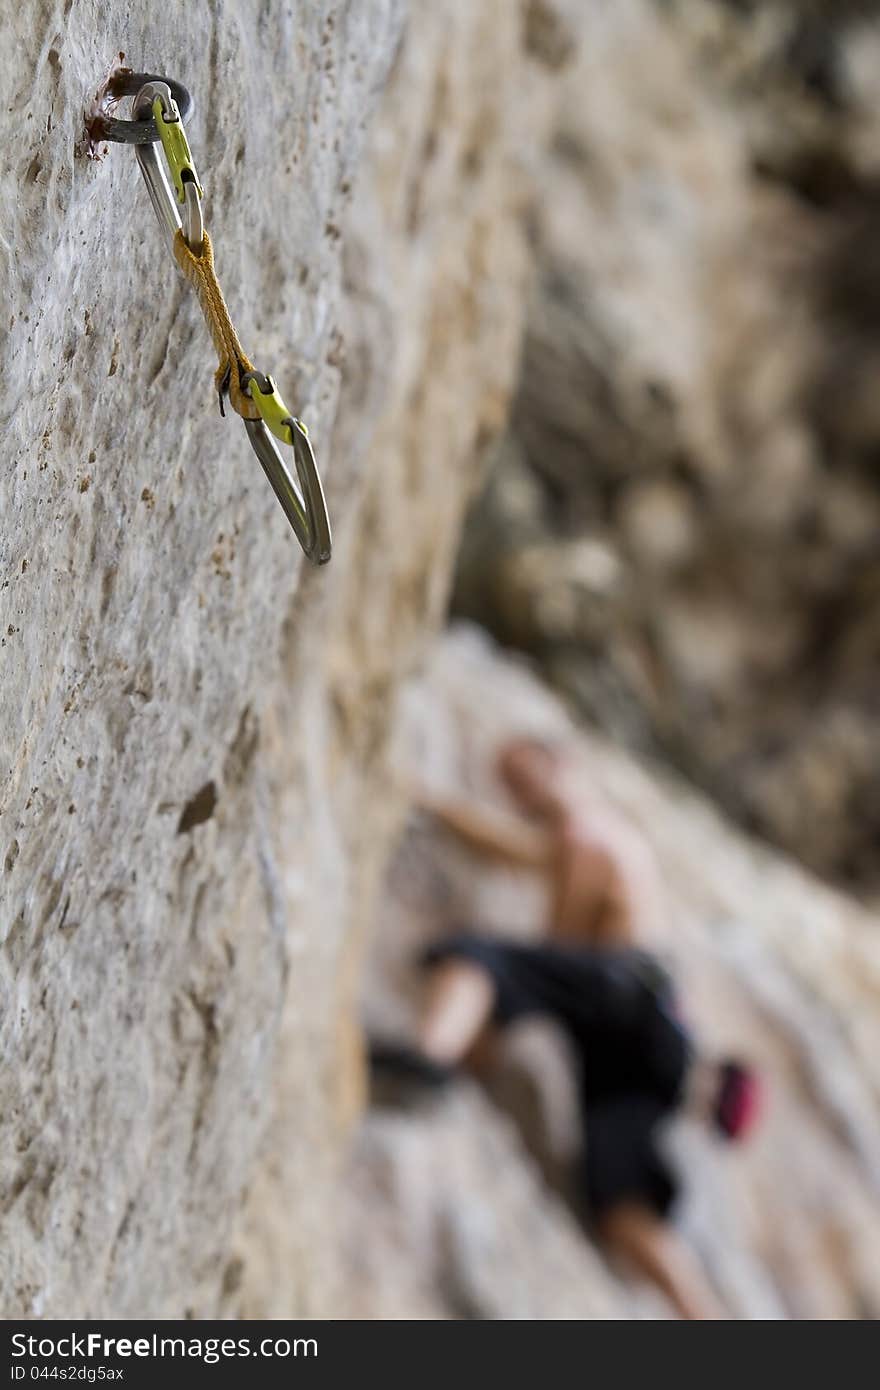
(657, 1251)
(491, 833)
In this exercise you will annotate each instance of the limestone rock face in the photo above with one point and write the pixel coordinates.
(460, 1207)
(192, 730)
(684, 520)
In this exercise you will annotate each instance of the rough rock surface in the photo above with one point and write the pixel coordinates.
(193, 725)
(683, 526)
(455, 1210)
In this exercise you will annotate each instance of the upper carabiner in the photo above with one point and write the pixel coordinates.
(180, 208)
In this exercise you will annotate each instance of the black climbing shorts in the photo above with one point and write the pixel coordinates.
(632, 1052)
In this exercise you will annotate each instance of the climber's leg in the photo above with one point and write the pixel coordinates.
(467, 989)
(461, 999)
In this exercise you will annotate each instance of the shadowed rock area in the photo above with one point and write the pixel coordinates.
(682, 525)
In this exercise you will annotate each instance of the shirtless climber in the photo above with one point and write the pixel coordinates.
(594, 977)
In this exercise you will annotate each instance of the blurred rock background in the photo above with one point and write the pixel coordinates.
(682, 522)
(680, 532)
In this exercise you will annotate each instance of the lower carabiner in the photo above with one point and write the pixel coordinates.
(303, 505)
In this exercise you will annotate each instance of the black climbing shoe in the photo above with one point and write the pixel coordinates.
(406, 1063)
(402, 1078)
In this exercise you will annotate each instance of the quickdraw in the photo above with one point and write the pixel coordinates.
(160, 108)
